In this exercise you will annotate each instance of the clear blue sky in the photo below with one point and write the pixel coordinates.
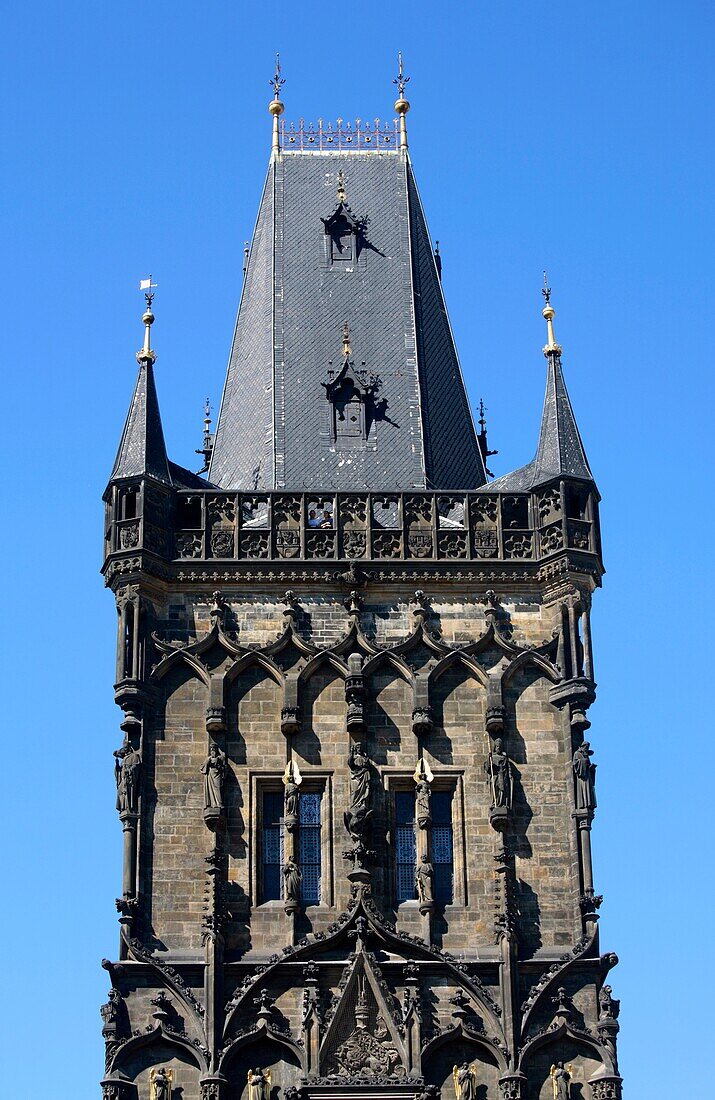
(573, 136)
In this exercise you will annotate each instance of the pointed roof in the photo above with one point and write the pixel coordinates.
(142, 451)
(275, 425)
(560, 452)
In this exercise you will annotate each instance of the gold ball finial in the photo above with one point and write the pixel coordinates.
(402, 106)
(548, 312)
(275, 107)
(148, 317)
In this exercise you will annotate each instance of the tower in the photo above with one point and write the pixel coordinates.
(354, 782)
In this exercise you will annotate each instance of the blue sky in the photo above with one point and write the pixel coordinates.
(577, 137)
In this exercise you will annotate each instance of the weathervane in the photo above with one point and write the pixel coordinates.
(547, 290)
(278, 81)
(148, 287)
(400, 80)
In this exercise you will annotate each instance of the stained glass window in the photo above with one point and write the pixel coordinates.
(405, 847)
(309, 846)
(272, 846)
(442, 847)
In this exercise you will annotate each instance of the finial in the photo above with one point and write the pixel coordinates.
(438, 260)
(342, 195)
(346, 340)
(275, 107)
(401, 104)
(482, 437)
(146, 354)
(246, 253)
(208, 442)
(548, 312)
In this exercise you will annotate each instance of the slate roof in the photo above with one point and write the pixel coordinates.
(142, 450)
(560, 452)
(274, 428)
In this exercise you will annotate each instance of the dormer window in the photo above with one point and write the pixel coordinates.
(343, 229)
(350, 391)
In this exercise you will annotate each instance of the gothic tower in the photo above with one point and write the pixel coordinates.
(354, 784)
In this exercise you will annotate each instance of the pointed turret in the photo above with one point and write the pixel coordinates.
(142, 451)
(560, 453)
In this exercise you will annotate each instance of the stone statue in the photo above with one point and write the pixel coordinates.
(160, 1082)
(110, 1013)
(259, 1084)
(465, 1081)
(292, 780)
(214, 769)
(358, 813)
(127, 771)
(561, 1081)
(585, 773)
(498, 768)
(422, 804)
(608, 1006)
(424, 876)
(292, 877)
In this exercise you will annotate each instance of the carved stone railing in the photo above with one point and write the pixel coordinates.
(210, 525)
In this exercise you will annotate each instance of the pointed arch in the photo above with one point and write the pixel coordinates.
(260, 660)
(325, 657)
(258, 1034)
(459, 657)
(157, 1035)
(177, 656)
(462, 1035)
(565, 1031)
(388, 657)
(530, 657)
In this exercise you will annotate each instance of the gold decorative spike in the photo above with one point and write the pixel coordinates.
(342, 195)
(347, 350)
(401, 104)
(548, 312)
(276, 107)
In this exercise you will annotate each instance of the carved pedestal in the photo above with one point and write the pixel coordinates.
(214, 1087)
(213, 815)
(114, 1088)
(512, 1087)
(606, 1088)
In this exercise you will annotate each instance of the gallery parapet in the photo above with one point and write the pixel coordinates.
(341, 136)
(346, 526)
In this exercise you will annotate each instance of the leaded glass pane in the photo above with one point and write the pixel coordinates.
(405, 858)
(309, 856)
(272, 879)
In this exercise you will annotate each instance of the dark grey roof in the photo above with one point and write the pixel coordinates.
(560, 452)
(275, 428)
(142, 450)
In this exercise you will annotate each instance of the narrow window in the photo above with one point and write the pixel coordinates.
(272, 846)
(309, 846)
(405, 847)
(442, 847)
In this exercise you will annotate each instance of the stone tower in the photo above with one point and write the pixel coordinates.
(354, 783)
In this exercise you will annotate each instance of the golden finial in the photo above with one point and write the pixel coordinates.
(342, 195)
(401, 104)
(551, 347)
(146, 354)
(346, 340)
(275, 107)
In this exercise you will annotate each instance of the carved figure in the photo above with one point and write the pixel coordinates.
(422, 804)
(127, 770)
(585, 773)
(259, 1084)
(110, 1013)
(160, 1082)
(214, 769)
(561, 1081)
(358, 813)
(292, 877)
(424, 876)
(498, 768)
(292, 780)
(607, 1005)
(465, 1081)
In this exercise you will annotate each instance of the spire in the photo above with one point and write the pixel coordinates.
(275, 107)
(142, 451)
(560, 452)
(401, 104)
(482, 437)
